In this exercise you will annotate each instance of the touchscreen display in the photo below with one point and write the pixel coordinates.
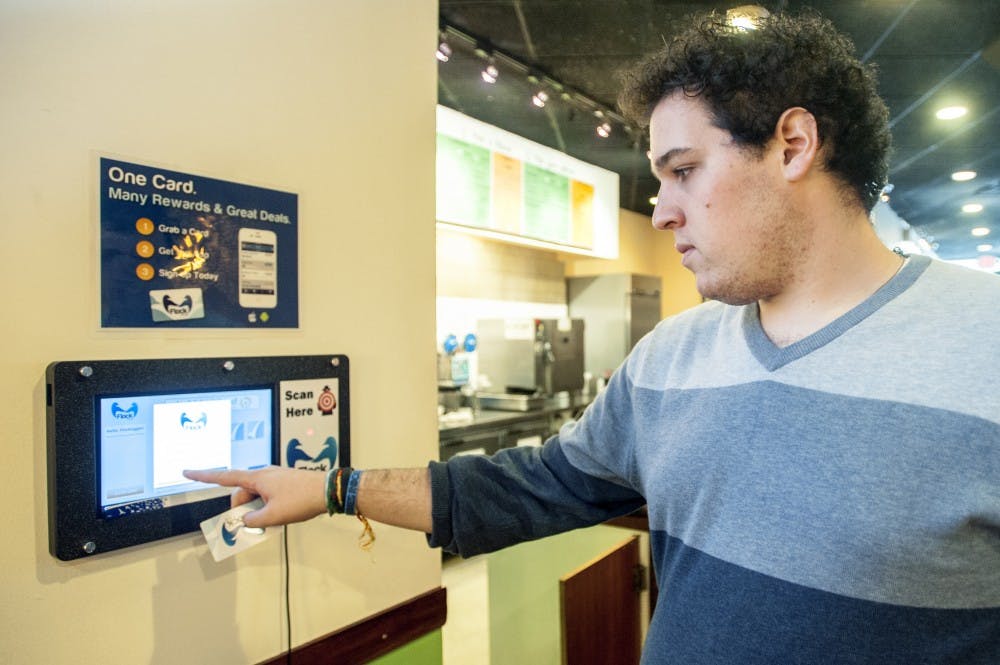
(146, 441)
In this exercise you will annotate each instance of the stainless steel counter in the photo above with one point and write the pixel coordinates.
(490, 417)
(487, 431)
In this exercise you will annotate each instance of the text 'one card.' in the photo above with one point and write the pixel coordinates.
(226, 534)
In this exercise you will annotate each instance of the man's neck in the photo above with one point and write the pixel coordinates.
(840, 274)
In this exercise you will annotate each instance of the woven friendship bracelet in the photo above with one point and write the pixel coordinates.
(342, 496)
(351, 494)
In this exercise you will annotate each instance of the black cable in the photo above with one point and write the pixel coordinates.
(288, 603)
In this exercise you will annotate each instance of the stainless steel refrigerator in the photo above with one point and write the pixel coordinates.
(617, 309)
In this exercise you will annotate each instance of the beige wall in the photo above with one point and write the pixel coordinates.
(325, 99)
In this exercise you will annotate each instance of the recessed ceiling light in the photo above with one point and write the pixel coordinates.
(962, 176)
(951, 112)
(653, 200)
(972, 207)
(980, 231)
(983, 248)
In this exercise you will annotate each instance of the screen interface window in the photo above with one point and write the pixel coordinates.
(146, 442)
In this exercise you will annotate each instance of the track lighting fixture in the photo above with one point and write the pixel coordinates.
(490, 72)
(544, 89)
(443, 52)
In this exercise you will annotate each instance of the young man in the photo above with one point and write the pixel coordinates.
(819, 445)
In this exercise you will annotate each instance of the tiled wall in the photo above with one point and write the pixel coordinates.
(473, 267)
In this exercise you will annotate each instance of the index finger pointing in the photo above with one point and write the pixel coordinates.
(230, 478)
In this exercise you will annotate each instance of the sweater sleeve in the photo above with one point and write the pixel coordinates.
(481, 504)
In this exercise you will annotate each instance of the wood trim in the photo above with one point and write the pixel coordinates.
(636, 522)
(374, 636)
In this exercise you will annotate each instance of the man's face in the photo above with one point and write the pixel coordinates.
(727, 206)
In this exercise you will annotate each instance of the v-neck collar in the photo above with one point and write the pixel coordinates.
(773, 357)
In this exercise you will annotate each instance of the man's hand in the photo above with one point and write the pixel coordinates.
(290, 495)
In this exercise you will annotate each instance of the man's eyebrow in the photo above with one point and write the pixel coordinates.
(661, 162)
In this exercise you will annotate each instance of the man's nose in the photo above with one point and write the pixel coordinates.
(667, 214)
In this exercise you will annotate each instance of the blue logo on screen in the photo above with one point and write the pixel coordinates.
(324, 461)
(124, 414)
(198, 422)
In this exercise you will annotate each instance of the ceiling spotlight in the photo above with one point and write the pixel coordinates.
(980, 231)
(951, 112)
(604, 130)
(653, 200)
(539, 98)
(962, 176)
(443, 50)
(490, 72)
(984, 248)
(972, 207)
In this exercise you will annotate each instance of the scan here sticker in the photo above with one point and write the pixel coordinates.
(310, 430)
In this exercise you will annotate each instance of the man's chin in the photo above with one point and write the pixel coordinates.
(725, 295)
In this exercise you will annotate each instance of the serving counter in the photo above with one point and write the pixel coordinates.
(487, 430)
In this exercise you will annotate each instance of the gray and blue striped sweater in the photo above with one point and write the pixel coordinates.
(832, 501)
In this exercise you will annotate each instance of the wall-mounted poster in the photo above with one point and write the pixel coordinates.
(186, 251)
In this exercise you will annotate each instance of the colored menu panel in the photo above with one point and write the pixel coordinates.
(506, 193)
(546, 205)
(463, 182)
(582, 197)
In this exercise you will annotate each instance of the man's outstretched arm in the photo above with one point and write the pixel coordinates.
(399, 497)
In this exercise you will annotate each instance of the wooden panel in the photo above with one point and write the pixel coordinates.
(639, 520)
(375, 636)
(600, 610)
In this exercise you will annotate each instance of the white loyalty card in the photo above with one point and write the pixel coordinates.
(226, 534)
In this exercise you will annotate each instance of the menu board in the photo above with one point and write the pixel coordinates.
(502, 185)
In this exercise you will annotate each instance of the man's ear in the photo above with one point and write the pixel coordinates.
(796, 133)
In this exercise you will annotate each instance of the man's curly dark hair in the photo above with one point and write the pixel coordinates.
(748, 78)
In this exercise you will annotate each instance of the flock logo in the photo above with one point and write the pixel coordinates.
(198, 422)
(182, 308)
(176, 304)
(124, 414)
(230, 528)
(325, 460)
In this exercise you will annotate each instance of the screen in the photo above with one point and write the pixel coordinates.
(146, 441)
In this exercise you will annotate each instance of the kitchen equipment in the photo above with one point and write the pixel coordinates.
(510, 402)
(532, 356)
(618, 310)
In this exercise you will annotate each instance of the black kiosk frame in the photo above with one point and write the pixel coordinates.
(79, 392)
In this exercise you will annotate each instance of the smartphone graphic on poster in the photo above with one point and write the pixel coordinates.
(258, 259)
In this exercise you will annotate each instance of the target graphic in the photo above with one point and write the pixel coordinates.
(327, 401)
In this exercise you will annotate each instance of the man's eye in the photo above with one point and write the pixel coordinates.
(683, 172)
